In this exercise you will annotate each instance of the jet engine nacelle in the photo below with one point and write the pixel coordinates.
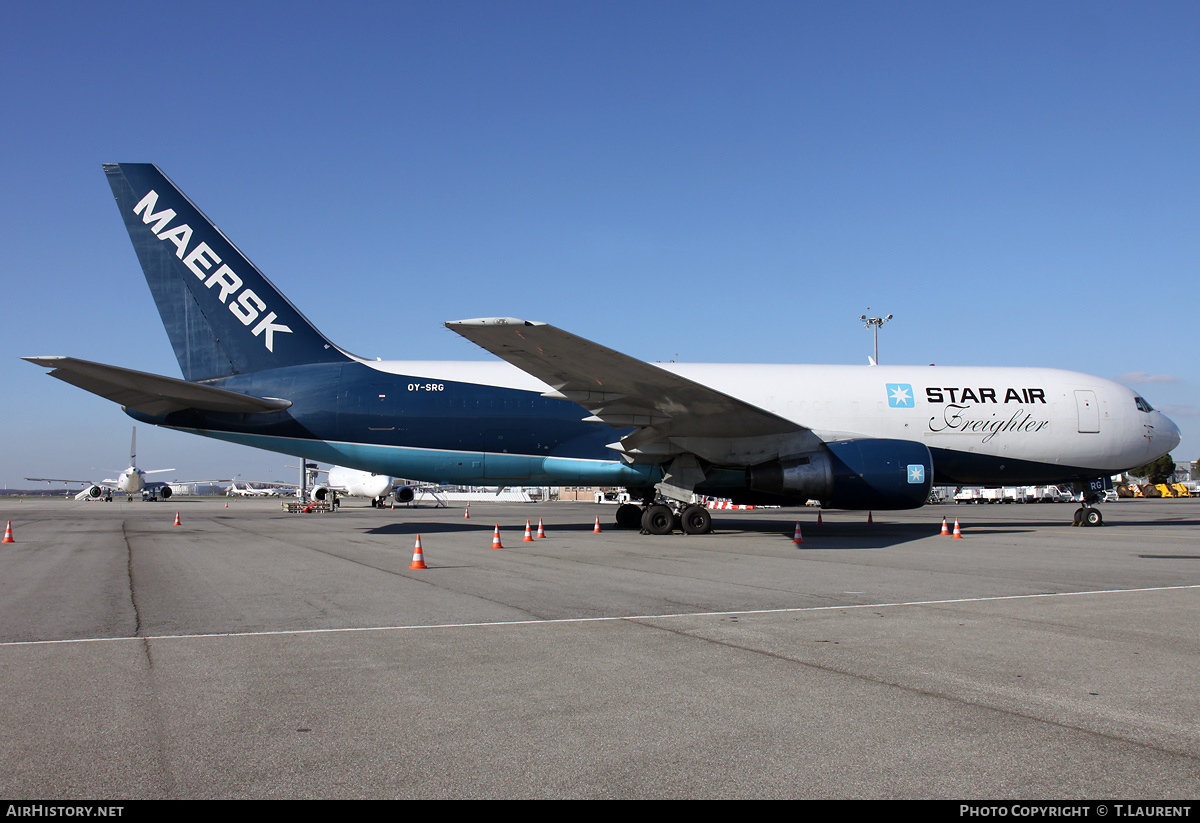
(404, 494)
(164, 492)
(852, 474)
(95, 492)
(320, 493)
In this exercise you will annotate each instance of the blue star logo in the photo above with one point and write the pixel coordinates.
(900, 396)
(916, 473)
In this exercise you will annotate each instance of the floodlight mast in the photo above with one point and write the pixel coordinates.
(874, 323)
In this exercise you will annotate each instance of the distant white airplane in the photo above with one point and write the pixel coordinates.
(131, 481)
(249, 491)
(357, 483)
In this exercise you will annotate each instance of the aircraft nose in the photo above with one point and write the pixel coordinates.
(1166, 433)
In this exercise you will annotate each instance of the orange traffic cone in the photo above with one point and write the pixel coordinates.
(467, 513)
(945, 527)
(870, 519)
(798, 539)
(957, 534)
(8, 538)
(596, 530)
(528, 538)
(177, 523)
(496, 538)
(418, 556)
(227, 505)
(818, 517)
(541, 532)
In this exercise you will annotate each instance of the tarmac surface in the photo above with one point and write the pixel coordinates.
(252, 653)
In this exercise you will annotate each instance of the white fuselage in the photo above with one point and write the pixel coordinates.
(358, 483)
(250, 491)
(130, 481)
(1040, 415)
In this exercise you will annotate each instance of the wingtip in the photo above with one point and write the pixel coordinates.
(491, 321)
(48, 361)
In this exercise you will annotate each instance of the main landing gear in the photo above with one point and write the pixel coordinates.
(663, 518)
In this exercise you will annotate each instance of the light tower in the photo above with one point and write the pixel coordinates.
(874, 323)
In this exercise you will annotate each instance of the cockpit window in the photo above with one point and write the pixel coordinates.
(1143, 405)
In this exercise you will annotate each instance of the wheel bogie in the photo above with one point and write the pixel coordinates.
(660, 518)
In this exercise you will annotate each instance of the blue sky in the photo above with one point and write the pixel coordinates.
(1017, 183)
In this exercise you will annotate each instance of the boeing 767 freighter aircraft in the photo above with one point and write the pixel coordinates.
(565, 411)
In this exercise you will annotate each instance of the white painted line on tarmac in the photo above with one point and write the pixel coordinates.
(581, 620)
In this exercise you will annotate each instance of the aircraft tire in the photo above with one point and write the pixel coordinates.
(696, 520)
(629, 516)
(658, 519)
(1092, 517)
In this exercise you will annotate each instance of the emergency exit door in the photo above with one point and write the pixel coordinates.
(1089, 411)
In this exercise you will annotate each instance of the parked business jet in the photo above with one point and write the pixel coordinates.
(131, 481)
(561, 410)
(249, 491)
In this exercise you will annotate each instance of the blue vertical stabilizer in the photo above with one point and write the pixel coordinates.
(222, 315)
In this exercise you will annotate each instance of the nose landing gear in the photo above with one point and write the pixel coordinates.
(1088, 514)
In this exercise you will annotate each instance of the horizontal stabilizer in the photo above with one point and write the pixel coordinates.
(152, 394)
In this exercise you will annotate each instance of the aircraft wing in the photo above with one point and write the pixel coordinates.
(620, 390)
(151, 393)
(159, 483)
(104, 483)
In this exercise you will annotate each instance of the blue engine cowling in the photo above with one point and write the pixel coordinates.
(852, 474)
